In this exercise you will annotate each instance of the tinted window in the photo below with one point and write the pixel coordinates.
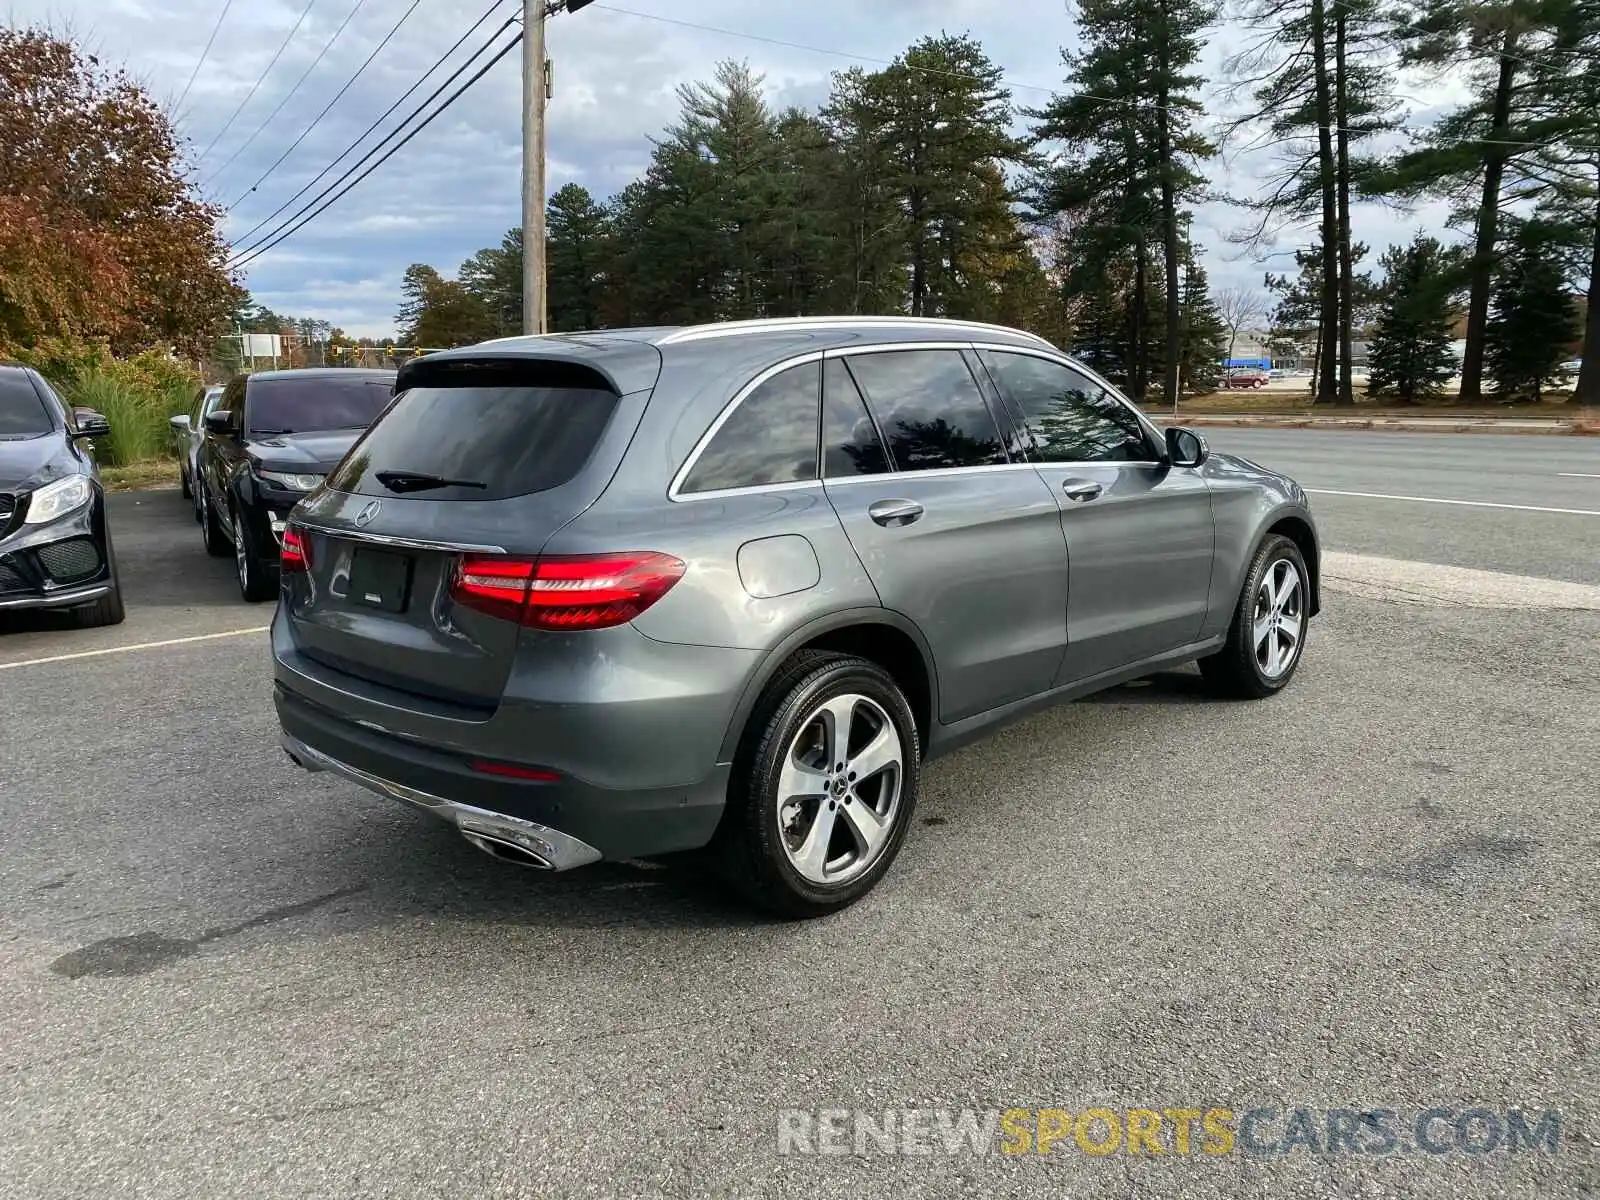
(850, 441)
(1070, 418)
(232, 396)
(770, 438)
(929, 408)
(512, 438)
(316, 402)
(22, 412)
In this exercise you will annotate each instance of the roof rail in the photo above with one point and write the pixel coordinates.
(695, 333)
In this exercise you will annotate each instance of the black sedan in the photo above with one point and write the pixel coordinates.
(55, 549)
(267, 445)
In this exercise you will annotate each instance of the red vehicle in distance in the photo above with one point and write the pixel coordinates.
(1245, 377)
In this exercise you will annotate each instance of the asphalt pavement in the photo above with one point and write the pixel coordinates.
(224, 977)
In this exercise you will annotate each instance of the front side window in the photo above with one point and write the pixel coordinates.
(22, 411)
(770, 438)
(929, 408)
(1069, 417)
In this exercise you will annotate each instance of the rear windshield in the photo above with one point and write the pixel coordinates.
(22, 413)
(314, 404)
(477, 442)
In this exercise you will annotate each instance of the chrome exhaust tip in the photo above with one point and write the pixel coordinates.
(507, 851)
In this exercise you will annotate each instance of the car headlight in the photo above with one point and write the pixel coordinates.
(294, 482)
(56, 500)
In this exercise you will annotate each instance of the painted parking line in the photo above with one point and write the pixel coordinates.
(1570, 512)
(183, 641)
(1575, 475)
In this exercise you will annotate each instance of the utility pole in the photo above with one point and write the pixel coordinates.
(535, 92)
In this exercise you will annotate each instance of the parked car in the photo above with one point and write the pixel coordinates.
(271, 439)
(188, 429)
(1245, 377)
(615, 595)
(55, 544)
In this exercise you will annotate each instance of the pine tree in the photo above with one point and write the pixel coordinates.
(494, 276)
(1127, 151)
(576, 255)
(1531, 317)
(1411, 354)
(1205, 334)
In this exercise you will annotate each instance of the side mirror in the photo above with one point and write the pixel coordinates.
(180, 422)
(222, 423)
(91, 424)
(1186, 448)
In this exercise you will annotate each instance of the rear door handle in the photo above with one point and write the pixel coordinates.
(894, 512)
(1081, 489)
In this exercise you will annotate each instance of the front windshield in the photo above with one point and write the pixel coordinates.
(312, 403)
(22, 412)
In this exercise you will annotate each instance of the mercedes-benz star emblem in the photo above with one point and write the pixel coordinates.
(366, 515)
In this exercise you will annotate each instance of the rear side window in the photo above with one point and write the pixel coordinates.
(491, 440)
(850, 441)
(771, 437)
(929, 408)
(22, 412)
(315, 403)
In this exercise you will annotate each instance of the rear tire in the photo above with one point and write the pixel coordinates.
(1260, 656)
(211, 531)
(815, 817)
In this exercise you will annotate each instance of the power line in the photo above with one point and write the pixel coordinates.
(488, 12)
(258, 251)
(229, 123)
(204, 54)
(290, 94)
(316, 120)
(411, 116)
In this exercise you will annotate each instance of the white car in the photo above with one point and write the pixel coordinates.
(188, 429)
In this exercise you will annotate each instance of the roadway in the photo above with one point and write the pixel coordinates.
(225, 977)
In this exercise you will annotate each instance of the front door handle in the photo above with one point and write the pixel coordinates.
(894, 512)
(1081, 489)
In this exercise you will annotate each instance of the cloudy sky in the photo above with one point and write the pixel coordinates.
(455, 187)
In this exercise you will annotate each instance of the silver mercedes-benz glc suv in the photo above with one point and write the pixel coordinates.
(619, 594)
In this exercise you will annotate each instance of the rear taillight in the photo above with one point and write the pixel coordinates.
(566, 592)
(294, 555)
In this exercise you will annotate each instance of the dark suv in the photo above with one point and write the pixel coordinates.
(612, 595)
(55, 547)
(271, 439)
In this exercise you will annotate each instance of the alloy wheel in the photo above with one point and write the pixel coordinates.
(241, 558)
(1278, 621)
(839, 789)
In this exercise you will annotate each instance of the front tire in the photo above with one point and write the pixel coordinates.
(255, 579)
(824, 787)
(1269, 626)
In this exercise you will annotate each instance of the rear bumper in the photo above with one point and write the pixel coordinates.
(568, 822)
(550, 848)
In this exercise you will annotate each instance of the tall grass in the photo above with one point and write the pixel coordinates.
(138, 416)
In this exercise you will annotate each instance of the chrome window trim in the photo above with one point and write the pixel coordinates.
(696, 333)
(674, 491)
(936, 473)
(1093, 376)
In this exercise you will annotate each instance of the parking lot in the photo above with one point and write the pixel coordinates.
(226, 977)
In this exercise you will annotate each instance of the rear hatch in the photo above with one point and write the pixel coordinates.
(475, 460)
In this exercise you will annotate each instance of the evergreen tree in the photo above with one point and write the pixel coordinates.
(494, 276)
(1127, 161)
(1531, 317)
(577, 249)
(1496, 48)
(1411, 355)
(1205, 334)
(439, 313)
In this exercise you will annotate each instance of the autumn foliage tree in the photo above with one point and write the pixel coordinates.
(101, 238)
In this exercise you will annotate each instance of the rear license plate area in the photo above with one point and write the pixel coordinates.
(380, 579)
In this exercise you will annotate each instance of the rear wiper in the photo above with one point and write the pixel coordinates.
(416, 481)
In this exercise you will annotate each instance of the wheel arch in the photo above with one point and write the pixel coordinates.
(880, 635)
(1297, 527)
